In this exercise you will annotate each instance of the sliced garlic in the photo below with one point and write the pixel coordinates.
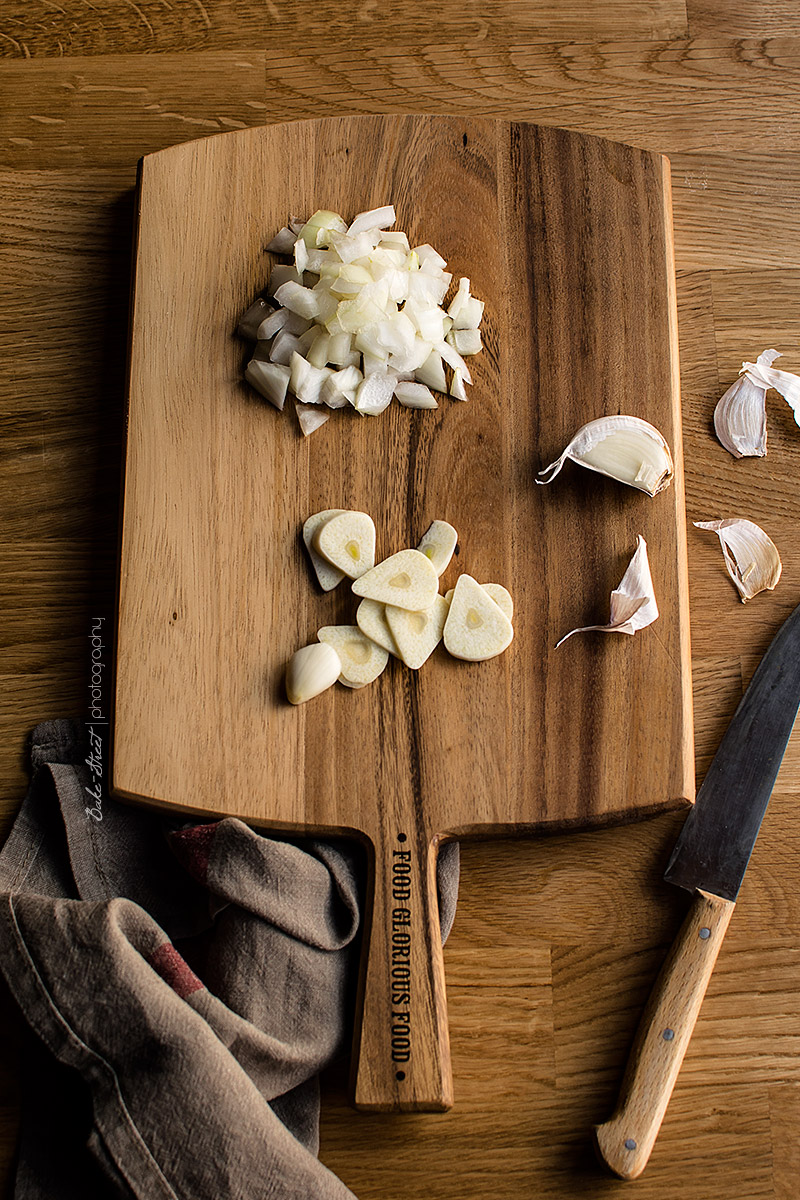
(501, 597)
(361, 660)
(751, 557)
(371, 620)
(347, 541)
(624, 448)
(438, 544)
(633, 603)
(476, 628)
(417, 634)
(311, 671)
(328, 576)
(406, 579)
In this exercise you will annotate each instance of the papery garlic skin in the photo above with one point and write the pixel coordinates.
(633, 603)
(624, 448)
(751, 557)
(763, 373)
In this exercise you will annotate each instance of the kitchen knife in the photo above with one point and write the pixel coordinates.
(709, 859)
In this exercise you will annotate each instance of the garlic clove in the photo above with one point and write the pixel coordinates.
(740, 419)
(633, 603)
(624, 448)
(751, 557)
(438, 543)
(328, 576)
(475, 629)
(361, 660)
(311, 671)
(407, 579)
(501, 597)
(371, 620)
(417, 634)
(347, 541)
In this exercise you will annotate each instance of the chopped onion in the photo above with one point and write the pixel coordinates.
(415, 395)
(310, 418)
(361, 319)
(256, 315)
(270, 379)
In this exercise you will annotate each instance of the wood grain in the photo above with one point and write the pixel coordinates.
(538, 1063)
(30, 29)
(214, 598)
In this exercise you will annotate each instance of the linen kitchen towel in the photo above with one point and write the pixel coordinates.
(183, 985)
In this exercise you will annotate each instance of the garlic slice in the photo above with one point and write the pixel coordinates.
(327, 575)
(438, 543)
(417, 634)
(347, 541)
(751, 557)
(501, 597)
(371, 620)
(476, 628)
(624, 448)
(362, 661)
(633, 603)
(407, 579)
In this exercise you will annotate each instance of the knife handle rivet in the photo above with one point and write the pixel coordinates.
(630, 1144)
(705, 933)
(668, 1035)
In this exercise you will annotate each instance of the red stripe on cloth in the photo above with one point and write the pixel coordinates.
(175, 971)
(192, 847)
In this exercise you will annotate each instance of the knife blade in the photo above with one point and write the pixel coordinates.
(709, 859)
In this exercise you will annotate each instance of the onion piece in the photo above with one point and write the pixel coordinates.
(270, 379)
(374, 218)
(251, 321)
(282, 243)
(375, 393)
(415, 395)
(310, 418)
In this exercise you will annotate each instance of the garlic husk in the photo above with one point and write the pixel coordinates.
(624, 448)
(633, 603)
(763, 373)
(751, 557)
(311, 671)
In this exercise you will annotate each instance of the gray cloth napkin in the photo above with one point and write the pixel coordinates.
(183, 986)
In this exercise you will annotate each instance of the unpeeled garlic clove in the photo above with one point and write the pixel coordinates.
(624, 448)
(311, 671)
(751, 557)
(740, 418)
(633, 603)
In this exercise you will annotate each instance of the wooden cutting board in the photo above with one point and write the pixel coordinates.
(567, 239)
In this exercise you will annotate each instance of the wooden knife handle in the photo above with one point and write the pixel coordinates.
(401, 1059)
(625, 1141)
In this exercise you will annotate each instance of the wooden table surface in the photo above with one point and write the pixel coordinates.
(558, 940)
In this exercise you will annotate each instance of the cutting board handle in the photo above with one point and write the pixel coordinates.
(401, 1059)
